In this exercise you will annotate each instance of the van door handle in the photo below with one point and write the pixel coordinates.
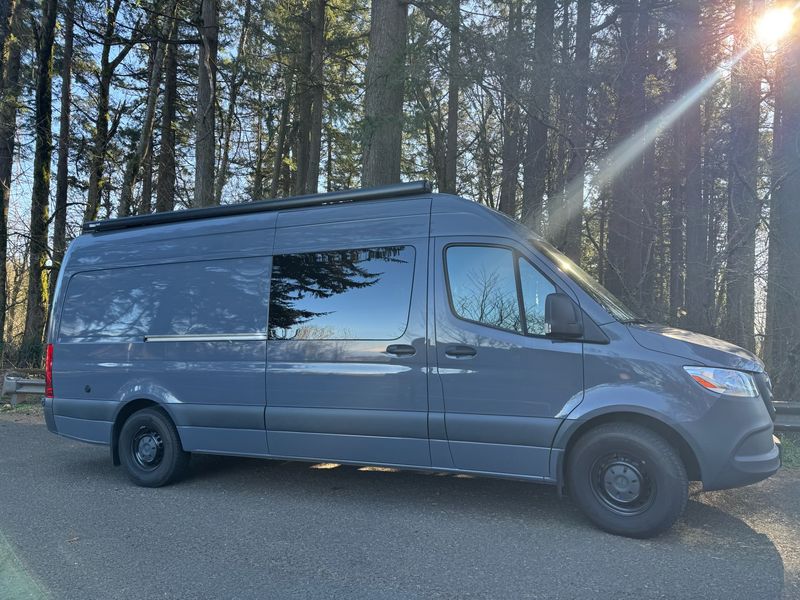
(460, 351)
(401, 350)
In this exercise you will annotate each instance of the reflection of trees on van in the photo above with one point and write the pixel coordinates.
(345, 294)
(483, 297)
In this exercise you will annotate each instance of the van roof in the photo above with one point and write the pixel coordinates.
(384, 192)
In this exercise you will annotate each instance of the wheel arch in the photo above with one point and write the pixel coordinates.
(567, 439)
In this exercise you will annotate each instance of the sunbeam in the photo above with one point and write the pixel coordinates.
(773, 25)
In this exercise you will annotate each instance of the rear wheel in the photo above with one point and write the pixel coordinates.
(627, 479)
(150, 450)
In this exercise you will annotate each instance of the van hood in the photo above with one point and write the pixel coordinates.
(695, 347)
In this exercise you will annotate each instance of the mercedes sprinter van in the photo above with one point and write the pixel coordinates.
(395, 327)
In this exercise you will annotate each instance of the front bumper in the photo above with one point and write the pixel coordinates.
(735, 444)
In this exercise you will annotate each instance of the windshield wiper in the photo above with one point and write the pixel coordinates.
(635, 321)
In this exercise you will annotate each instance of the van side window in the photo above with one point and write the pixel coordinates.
(483, 286)
(361, 294)
(204, 297)
(535, 288)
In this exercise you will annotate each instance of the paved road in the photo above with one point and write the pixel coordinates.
(237, 528)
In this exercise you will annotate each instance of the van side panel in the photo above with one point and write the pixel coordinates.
(337, 394)
(133, 323)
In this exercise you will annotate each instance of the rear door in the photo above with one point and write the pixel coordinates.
(504, 382)
(346, 372)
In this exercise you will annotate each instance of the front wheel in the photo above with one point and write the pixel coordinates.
(150, 450)
(627, 479)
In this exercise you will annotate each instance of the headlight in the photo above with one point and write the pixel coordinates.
(724, 381)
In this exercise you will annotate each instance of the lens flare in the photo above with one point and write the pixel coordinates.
(774, 25)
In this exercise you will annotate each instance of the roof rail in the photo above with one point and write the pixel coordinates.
(382, 192)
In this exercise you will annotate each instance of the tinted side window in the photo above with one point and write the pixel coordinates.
(535, 288)
(207, 297)
(342, 295)
(483, 286)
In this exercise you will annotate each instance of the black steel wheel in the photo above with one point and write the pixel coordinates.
(150, 449)
(627, 479)
(147, 447)
(623, 484)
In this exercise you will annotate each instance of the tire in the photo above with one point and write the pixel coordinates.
(150, 449)
(627, 479)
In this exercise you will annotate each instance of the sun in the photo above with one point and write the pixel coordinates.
(775, 24)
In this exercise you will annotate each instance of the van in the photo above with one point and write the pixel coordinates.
(392, 327)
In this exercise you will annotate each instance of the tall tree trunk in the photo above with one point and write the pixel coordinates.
(146, 199)
(677, 248)
(317, 92)
(62, 169)
(31, 350)
(534, 171)
(511, 125)
(689, 73)
(383, 99)
(783, 290)
(144, 143)
(453, 88)
(563, 88)
(625, 206)
(645, 232)
(11, 52)
(304, 100)
(744, 208)
(258, 170)
(238, 75)
(283, 131)
(206, 104)
(165, 190)
(576, 169)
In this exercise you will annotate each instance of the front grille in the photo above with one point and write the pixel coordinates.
(765, 389)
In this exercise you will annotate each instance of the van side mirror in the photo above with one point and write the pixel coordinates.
(562, 316)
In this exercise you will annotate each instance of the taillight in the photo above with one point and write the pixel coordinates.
(48, 372)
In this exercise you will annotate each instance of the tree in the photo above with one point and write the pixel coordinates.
(744, 206)
(383, 97)
(534, 171)
(783, 290)
(453, 89)
(102, 133)
(165, 188)
(625, 209)
(144, 143)
(578, 138)
(10, 56)
(238, 75)
(690, 72)
(511, 117)
(36, 315)
(208, 26)
(316, 63)
(283, 128)
(62, 170)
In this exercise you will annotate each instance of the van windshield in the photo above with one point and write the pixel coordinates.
(613, 305)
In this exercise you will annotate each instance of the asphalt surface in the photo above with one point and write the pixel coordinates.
(71, 526)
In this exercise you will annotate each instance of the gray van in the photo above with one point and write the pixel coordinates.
(396, 327)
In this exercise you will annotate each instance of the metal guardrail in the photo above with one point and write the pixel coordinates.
(787, 416)
(16, 386)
